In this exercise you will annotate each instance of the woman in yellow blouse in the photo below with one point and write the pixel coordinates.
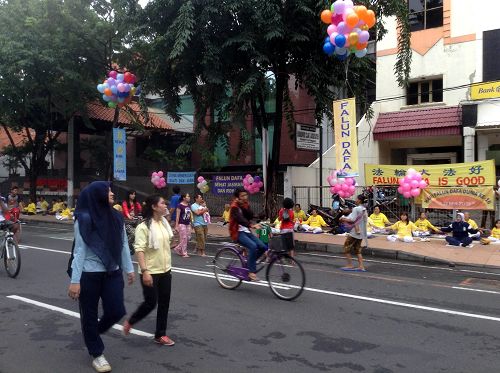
(152, 250)
(403, 229)
(424, 227)
(314, 223)
(379, 220)
(495, 233)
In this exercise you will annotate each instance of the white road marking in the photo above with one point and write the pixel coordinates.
(61, 238)
(72, 313)
(198, 273)
(478, 290)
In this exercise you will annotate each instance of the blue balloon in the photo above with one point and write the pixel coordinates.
(120, 77)
(100, 88)
(328, 48)
(327, 40)
(340, 40)
(114, 90)
(106, 98)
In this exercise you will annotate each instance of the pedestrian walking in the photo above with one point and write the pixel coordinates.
(152, 250)
(352, 244)
(174, 202)
(100, 255)
(183, 225)
(199, 223)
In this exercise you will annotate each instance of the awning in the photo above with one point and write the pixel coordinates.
(444, 121)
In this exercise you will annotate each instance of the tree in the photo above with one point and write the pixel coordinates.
(213, 47)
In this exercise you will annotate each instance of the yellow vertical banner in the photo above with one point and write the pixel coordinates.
(346, 139)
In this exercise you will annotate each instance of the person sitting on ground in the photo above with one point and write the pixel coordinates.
(44, 206)
(31, 208)
(369, 228)
(300, 216)
(276, 226)
(65, 213)
(379, 220)
(460, 232)
(403, 229)
(314, 223)
(424, 227)
(473, 225)
(55, 207)
(225, 214)
(494, 236)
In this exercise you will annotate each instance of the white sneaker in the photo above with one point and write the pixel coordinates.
(100, 364)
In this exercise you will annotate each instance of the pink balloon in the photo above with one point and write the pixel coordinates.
(160, 173)
(345, 187)
(414, 184)
(154, 174)
(336, 18)
(329, 179)
(332, 190)
(332, 40)
(422, 184)
(248, 176)
(334, 182)
(261, 184)
(400, 190)
(406, 187)
(245, 182)
(401, 181)
(407, 194)
(349, 181)
(113, 74)
(200, 179)
(331, 29)
(411, 171)
(415, 192)
(352, 189)
(406, 180)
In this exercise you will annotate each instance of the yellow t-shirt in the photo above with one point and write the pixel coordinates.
(225, 216)
(495, 233)
(472, 224)
(66, 213)
(403, 229)
(379, 220)
(56, 206)
(315, 221)
(301, 215)
(45, 205)
(31, 208)
(157, 260)
(369, 225)
(425, 225)
(277, 223)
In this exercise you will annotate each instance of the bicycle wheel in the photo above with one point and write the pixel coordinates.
(225, 260)
(286, 277)
(11, 258)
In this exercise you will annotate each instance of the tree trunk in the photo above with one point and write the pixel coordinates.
(271, 201)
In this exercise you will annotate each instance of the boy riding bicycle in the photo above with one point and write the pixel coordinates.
(240, 217)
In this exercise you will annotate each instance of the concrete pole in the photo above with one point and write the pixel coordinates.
(71, 162)
(265, 152)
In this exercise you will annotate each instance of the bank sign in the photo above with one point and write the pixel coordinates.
(226, 184)
(482, 91)
(481, 173)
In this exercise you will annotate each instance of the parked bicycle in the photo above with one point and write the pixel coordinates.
(9, 249)
(284, 274)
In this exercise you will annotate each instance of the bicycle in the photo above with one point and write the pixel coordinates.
(284, 274)
(9, 249)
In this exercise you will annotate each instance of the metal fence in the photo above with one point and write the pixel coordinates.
(391, 203)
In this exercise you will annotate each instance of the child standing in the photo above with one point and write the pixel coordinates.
(286, 218)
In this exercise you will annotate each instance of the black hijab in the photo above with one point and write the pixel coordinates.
(100, 225)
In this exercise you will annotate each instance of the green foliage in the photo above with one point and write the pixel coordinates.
(171, 159)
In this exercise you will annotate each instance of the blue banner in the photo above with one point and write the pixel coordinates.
(119, 154)
(226, 184)
(180, 177)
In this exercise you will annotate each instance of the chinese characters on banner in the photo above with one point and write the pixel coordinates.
(481, 173)
(460, 198)
(346, 139)
(226, 184)
(119, 154)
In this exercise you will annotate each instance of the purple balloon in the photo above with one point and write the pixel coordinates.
(342, 28)
(363, 36)
(256, 179)
(339, 7)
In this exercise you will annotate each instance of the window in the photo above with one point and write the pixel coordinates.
(424, 91)
(425, 14)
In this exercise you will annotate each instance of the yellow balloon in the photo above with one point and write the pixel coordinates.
(353, 38)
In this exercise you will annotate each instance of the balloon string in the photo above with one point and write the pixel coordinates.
(346, 79)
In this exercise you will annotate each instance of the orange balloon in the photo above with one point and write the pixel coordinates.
(108, 92)
(362, 12)
(361, 46)
(353, 38)
(370, 18)
(352, 20)
(326, 16)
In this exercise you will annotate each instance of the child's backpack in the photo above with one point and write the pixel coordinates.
(286, 215)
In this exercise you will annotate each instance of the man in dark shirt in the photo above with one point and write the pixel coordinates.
(174, 202)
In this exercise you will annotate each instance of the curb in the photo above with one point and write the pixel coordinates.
(48, 222)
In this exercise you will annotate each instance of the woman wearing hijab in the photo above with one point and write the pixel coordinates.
(152, 250)
(460, 230)
(101, 252)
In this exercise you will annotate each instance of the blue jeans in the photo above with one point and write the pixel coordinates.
(109, 288)
(255, 249)
(466, 241)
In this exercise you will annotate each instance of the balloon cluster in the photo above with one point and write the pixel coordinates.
(344, 187)
(412, 184)
(347, 30)
(202, 184)
(158, 180)
(252, 184)
(118, 88)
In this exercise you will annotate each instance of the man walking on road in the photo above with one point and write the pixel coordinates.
(355, 237)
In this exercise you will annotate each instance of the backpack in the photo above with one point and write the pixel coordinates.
(286, 215)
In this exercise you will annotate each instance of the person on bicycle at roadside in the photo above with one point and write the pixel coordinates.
(240, 217)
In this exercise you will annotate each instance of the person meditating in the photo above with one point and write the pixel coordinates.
(314, 223)
(379, 220)
(460, 232)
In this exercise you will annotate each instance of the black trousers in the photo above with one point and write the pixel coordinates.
(109, 288)
(159, 294)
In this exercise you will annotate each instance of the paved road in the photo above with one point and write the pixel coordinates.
(398, 317)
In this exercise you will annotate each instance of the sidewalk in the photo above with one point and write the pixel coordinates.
(433, 251)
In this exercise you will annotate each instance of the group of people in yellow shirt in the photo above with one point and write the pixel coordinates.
(59, 208)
